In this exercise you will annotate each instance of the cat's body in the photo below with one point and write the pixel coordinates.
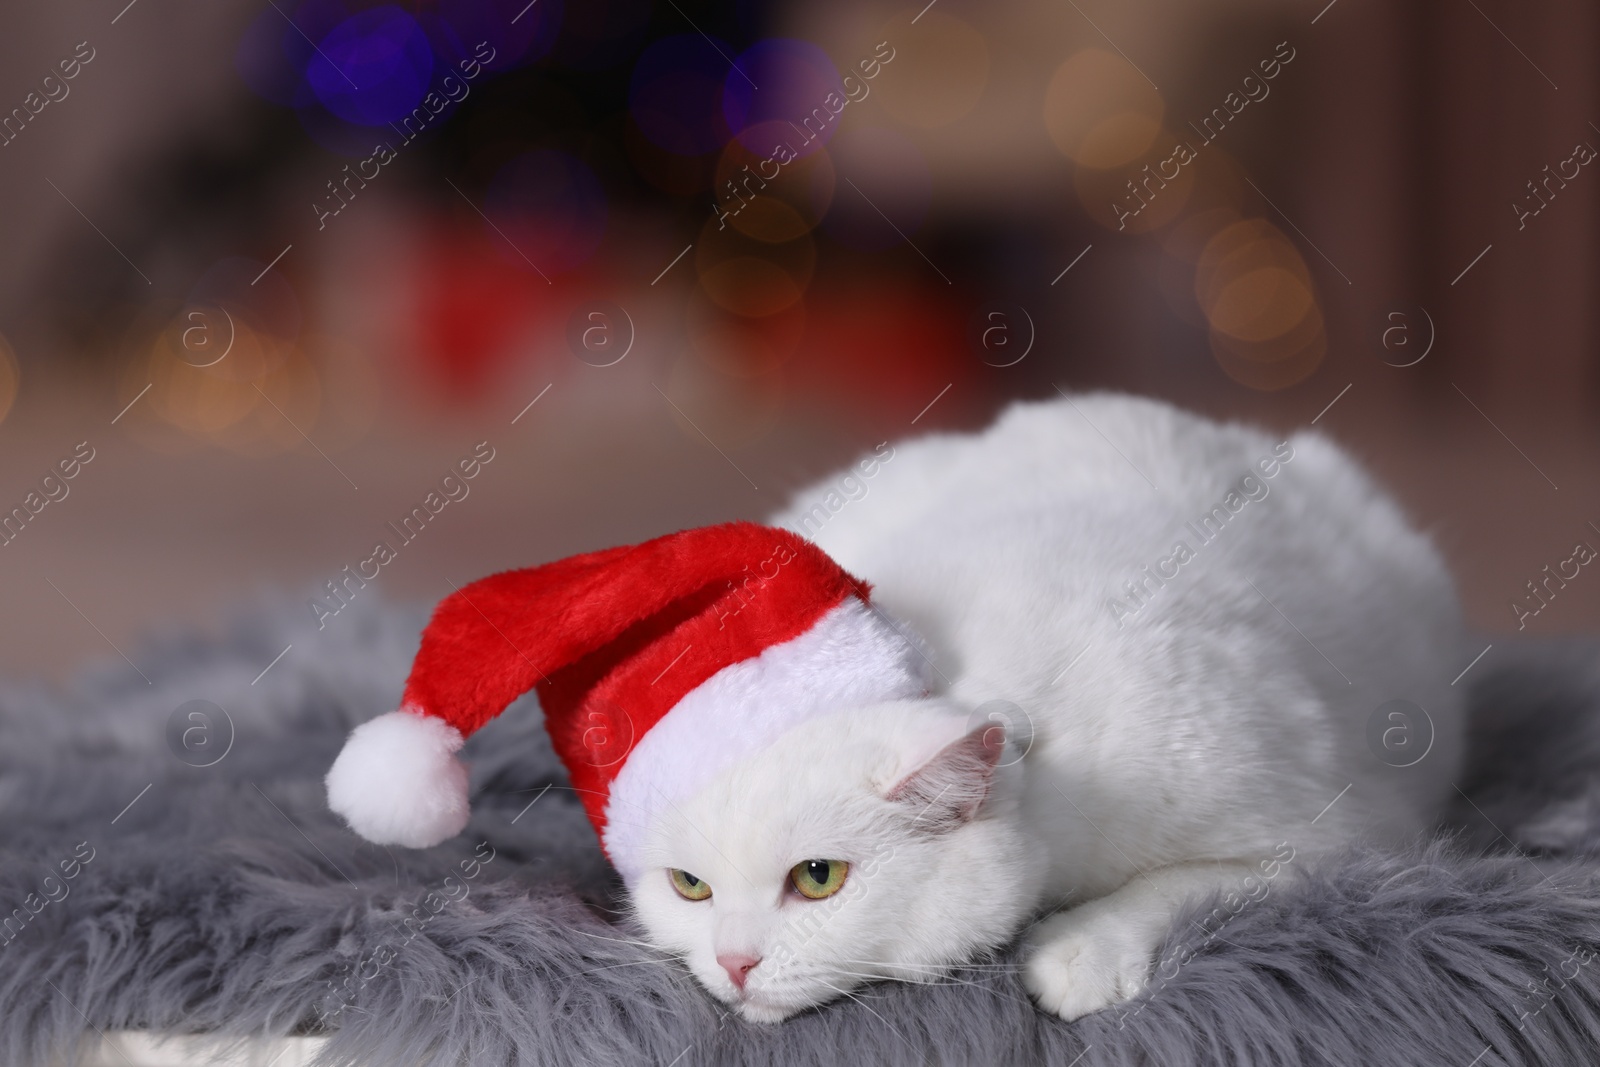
(1181, 719)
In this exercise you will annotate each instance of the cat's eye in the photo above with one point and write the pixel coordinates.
(818, 879)
(688, 886)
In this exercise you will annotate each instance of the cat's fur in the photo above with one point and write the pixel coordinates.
(1178, 737)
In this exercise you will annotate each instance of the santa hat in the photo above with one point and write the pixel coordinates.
(657, 666)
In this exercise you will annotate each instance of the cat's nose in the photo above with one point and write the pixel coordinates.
(738, 967)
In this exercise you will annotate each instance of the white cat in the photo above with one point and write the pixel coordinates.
(1196, 627)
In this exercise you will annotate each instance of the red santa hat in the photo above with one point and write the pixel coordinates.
(657, 666)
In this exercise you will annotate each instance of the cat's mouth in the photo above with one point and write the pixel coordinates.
(770, 1006)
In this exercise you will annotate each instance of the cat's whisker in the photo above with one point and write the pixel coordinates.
(942, 980)
(930, 972)
(862, 1001)
(636, 943)
(933, 973)
(630, 963)
(997, 968)
(908, 981)
(618, 940)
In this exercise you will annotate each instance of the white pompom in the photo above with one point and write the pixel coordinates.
(397, 781)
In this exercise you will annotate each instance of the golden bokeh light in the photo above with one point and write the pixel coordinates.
(1238, 248)
(194, 399)
(767, 218)
(769, 201)
(1277, 363)
(226, 340)
(752, 287)
(1252, 283)
(750, 276)
(1100, 111)
(1261, 304)
(1267, 331)
(1140, 197)
(199, 392)
(941, 69)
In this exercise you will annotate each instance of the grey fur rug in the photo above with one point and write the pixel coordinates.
(227, 900)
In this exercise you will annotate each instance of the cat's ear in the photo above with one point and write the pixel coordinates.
(948, 789)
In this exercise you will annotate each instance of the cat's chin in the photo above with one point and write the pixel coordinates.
(758, 1010)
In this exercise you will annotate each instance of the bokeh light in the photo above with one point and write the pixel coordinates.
(1100, 111)
(1146, 194)
(1244, 247)
(752, 286)
(373, 67)
(193, 399)
(1276, 363)
(347, 69)
(220, 403)
(264, 304)
(799, 85)
(1260, 303)
(1258, 297)
(749, 276)
(793, 202)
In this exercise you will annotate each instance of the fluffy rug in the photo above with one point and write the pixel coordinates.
(181, 874)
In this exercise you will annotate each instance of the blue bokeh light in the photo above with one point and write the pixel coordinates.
(373, 67)
(784, 80)
(351, 68)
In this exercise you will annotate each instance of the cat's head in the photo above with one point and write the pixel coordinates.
(878, 843)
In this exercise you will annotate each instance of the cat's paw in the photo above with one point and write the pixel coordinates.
(1088, 958)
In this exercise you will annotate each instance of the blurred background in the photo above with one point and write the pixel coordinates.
(273, 269)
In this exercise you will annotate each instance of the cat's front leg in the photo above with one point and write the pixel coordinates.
(1102, 952)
